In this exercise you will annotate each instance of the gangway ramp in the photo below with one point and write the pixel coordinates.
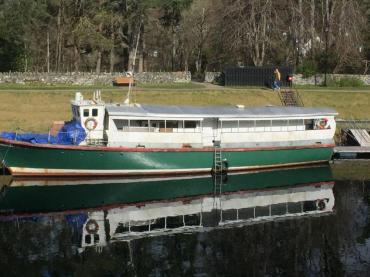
(362, 136)
(290, 98)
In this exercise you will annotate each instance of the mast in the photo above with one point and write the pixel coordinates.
(127, 101)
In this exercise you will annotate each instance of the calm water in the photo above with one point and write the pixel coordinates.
(293, 222)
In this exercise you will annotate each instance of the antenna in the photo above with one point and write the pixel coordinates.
(127, 101)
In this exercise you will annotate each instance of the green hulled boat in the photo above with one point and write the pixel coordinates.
(122, 140)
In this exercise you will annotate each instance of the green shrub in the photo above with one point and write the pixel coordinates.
(346, 81)
(308, 68)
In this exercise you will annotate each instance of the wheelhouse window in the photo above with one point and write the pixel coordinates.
(86, 112)
(87, 239)
(94, 112)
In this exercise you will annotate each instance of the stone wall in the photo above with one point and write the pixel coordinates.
(83, 78)
(318, 79)
(213, 77)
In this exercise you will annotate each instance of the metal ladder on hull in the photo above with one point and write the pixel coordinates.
(219, 170)
(217, 161)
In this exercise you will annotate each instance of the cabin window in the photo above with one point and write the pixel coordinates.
(122, 228)
(246, 126)
(86, 112)
(262, 211)
(139, 125)
(246, 213)
(192, 220)
(309, 206)
(157, 123)
(159, 223)
(96, 238)
(263, 123)
(121, 124)
(88, 239)
(295, 122)
(295, 207)
(276, 123)
(172, 124)
(231, 214)
(296, 125)
(309, 124)
(279, 209)
(175, 222)
(94, 112)
(190, 124)
(279, 125)
(141, 227)
(229, 126)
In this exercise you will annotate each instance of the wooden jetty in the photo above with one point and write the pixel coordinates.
(351, 152)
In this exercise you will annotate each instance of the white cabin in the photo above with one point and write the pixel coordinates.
(91, 114)
(152, 126)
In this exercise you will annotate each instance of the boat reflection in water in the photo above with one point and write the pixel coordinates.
(103, 211)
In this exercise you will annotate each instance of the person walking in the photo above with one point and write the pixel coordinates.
(277, 79)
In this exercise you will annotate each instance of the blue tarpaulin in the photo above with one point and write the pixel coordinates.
(71, 133)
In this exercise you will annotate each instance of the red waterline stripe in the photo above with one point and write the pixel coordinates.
(127, 149)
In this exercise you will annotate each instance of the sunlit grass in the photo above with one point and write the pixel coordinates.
(171, 86)
(36, 110)
(44, 86)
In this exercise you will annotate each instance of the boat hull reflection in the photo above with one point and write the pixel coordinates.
(115, 210)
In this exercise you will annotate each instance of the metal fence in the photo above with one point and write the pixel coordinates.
(254, 76)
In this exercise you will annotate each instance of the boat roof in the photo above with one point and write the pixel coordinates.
(137, 110)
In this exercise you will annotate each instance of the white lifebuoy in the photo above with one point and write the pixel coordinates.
(320, 204)
(90, 124)
(92, 227)
(322, 123)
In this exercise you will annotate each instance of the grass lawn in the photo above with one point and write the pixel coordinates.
(35, 110)
(48, 87)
